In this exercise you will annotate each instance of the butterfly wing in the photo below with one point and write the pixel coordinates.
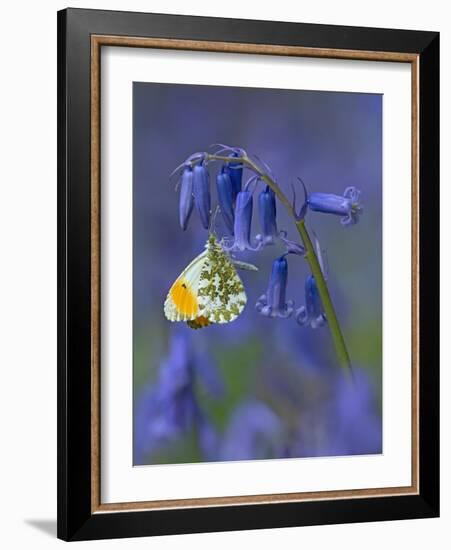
(208, 291)
(221, 295)
(182, 301)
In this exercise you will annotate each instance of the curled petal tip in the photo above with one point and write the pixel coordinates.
(319, 322)
(352, 193)
(266, 311)
(265, 241)
(301, 316)
(289, 308)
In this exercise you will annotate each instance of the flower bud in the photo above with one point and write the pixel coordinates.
(225, 198)
(186, 201)
(201, 190)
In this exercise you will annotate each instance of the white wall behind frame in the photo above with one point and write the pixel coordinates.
(28, 350)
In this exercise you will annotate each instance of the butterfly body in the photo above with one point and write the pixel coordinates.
(209, 290)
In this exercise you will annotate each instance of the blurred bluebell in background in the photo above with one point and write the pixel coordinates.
(168, 408)
(259, 387)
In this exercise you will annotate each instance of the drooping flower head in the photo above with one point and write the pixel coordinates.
(346, 206)
(312, 313)
(267, 215)
(243, 222)
(236, 173)
(194, 184)
(234, 169)
(201, 191)
(186, 201)
(226, 197)
(274, 303)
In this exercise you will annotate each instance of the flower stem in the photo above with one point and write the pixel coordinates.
(310, 256)
(331, 316)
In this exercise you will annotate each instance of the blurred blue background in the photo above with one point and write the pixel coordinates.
(257, 387)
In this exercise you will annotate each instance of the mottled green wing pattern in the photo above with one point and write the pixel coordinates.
(221, 295)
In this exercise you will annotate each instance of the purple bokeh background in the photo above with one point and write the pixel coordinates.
(332, 140)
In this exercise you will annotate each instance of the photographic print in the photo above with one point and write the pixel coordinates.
(243, 338)
(257, 273)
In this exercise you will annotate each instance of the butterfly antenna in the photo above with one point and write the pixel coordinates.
(212, 228)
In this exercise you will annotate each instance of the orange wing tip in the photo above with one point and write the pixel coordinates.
(199, 322)
(183, 299)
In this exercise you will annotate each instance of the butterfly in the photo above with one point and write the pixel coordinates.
(209, 290)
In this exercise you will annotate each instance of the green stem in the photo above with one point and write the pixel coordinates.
(329, 310)
(310, 256)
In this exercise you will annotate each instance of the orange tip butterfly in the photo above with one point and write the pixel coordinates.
(209, 290)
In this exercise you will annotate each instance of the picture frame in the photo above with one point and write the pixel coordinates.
(81, 36)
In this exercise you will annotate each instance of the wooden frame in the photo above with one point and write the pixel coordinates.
(81, 514)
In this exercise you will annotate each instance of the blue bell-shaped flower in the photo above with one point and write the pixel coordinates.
(224, 189)
(201, 191)
(274, 303)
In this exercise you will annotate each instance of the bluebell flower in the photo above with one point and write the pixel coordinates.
(273, 303)
(267, 215)
(235, 169)
(312, 313)
(254, 432)
(236, 174)
(168, 409)
(201, 191)
(243, 224)
(346, 206)
(226, 197)
(186, 201)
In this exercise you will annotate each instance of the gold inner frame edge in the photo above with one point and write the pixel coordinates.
(97, 41)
